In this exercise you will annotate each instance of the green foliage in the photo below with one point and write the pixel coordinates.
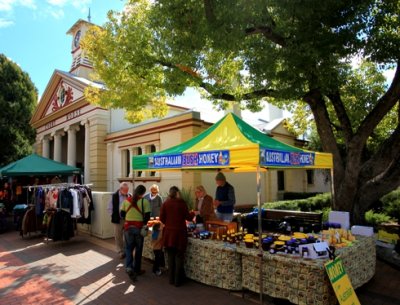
(155, 49)
(374, 219)
(18, 98)
(391, 204)
(188, 196)
(319, 202)
(291, 53)
(325, 214)
(365, 84)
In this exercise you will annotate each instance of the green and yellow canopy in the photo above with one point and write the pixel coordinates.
(231, 144)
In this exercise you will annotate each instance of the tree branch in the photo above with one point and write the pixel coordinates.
(385, 103)
(341, 115)
(317, 104)
(209, 11)
(268, 33)
(377, 187)
(378, 163)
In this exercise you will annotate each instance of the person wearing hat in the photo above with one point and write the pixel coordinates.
(224, 198)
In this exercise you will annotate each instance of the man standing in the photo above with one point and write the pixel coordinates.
(136, 212)
(224, 198)
(114, 208)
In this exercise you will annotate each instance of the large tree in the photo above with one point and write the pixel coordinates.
(280, 51)
(18, 98)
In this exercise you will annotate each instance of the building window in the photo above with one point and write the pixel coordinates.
(152, 150)
(310, 176)
(281, 180)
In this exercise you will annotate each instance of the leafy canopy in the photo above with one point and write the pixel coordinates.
(18, 98)
(244, 51)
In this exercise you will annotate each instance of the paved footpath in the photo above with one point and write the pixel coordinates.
(85, 270)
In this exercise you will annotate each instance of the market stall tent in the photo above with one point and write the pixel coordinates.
(232, 144)
(35, 165)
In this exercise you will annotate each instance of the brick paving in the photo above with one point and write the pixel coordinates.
(85, 270)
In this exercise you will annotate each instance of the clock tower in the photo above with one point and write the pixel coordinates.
(81, 65)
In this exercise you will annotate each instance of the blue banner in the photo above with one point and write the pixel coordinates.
(196, 159)
(166, 161)
(270, 157)
(207, 158)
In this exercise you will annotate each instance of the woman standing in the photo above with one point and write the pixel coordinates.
(204, 208)
(174, 213)
(155, 200)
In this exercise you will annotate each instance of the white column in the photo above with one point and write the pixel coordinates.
(110, 166)
(71, 154)
(58, 145)
(45, 147)
(87, 151)
(130, 162)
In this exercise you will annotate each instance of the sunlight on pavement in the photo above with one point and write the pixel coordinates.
(130, 289)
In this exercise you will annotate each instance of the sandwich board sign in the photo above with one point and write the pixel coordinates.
(341, 283)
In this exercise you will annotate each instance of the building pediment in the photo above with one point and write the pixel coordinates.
(63, 93)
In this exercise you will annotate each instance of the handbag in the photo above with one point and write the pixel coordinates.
(144, 230)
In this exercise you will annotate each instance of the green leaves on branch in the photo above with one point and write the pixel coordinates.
(18, 98)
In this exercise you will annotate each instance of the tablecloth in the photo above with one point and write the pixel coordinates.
(304, 281)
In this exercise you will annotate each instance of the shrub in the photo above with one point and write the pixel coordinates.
(374, 219)
(316, 203)
(391, 204)
(188, 197)
(294, 195)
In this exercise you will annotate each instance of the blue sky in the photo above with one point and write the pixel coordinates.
(33, 32)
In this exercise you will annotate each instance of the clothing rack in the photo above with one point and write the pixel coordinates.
(60, 187)
(56, 185)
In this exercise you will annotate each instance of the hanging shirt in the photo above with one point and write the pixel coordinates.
(75, 203)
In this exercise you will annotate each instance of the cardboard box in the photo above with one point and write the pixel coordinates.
(340, 217)
(316, 250)
(362, 230)
(390, 238)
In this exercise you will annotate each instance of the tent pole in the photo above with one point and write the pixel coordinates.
(260, 232)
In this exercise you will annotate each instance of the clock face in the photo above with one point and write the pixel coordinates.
(77, 38)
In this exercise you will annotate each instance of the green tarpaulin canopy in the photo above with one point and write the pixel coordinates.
(34, 165)
(230, 144)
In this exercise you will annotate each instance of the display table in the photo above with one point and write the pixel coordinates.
(209, 262)
(301, 281)
(213, 263)
(304, 281)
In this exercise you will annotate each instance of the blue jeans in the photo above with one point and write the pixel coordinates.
(227, 217)
(133, 240)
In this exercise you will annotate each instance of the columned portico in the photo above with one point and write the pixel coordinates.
(45, 147)
(71, 154)
(131, 172)
(87, 151)
(58, 145)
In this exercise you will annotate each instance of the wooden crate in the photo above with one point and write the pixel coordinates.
(220, 228)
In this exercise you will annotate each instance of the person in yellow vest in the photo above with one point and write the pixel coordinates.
(135, 211)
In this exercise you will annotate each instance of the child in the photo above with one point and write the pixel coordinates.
(156, 241)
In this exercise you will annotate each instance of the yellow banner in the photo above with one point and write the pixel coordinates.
(341, 283)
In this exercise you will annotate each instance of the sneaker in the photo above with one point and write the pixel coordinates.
(158, 272)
